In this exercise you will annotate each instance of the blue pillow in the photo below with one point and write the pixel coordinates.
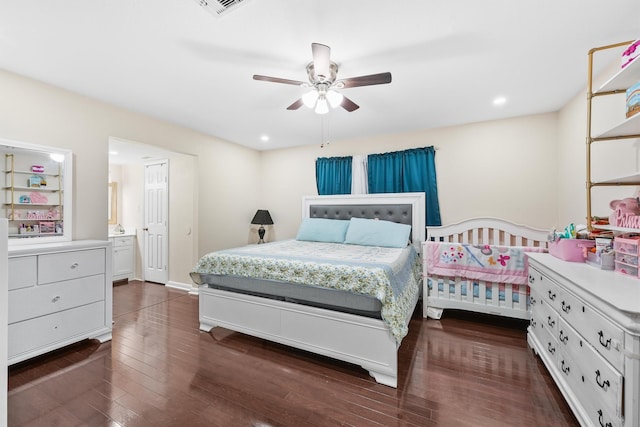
(372, 232)
(323, 230)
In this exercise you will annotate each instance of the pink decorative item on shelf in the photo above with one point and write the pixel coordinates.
(37, 169)
(39, 198)
(626, 212)
(630, 53)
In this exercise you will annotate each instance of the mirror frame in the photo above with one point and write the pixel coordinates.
(113, 203)
(67, 191)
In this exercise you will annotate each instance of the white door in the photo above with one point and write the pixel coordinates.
(156, 209)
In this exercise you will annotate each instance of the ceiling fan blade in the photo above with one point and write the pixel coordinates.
(348, 104)
(278, 80)
(372, 79)
(321, 60)
(296, 105)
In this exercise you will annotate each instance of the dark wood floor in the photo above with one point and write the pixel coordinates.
(159, 370)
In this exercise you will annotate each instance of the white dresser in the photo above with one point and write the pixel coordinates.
(59, 294)
(585, 326)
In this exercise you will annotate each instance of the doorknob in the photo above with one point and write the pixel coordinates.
(145, 229)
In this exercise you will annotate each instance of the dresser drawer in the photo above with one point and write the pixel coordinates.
(547, 341)
(122, 241)
(70, 265)
(23, 272)
(605, 337)
(68, 325)
(41, 300)
(599, 379)
(543, 314)
(546, 288)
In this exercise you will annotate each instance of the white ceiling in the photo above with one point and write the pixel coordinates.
(449, 59)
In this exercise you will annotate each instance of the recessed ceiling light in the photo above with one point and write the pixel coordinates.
(264, 138)
(501, 100)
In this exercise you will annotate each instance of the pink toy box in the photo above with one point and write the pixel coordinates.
(574, 250)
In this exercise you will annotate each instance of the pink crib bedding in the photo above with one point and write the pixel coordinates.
(498, 264)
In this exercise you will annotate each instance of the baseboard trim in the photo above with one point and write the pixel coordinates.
(179, 285)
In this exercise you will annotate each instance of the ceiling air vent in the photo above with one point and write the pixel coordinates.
(220, 7)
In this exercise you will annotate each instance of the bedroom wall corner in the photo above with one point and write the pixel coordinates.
(495, 169)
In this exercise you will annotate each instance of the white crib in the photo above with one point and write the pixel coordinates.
(504, 299)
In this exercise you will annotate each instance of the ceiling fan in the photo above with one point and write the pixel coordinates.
(322, 74)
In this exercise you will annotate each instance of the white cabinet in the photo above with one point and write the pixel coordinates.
(585, 326)
(58, 294)
(123, 257)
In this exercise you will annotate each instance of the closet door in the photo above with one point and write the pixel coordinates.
(156, 209)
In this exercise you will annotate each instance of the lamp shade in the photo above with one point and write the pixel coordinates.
(262, 217)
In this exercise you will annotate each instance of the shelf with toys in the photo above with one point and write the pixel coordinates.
(626, 81)
(32, 196)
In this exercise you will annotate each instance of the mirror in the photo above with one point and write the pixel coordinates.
(113, 203)
(36, 192)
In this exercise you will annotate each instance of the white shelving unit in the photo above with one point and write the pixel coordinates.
(36, 192)
(626, 129)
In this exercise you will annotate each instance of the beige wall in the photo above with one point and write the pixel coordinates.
(504, 168)
(37, 113)
(528, 169)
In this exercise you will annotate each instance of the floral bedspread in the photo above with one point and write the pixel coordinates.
(506, 264)
(391, 275)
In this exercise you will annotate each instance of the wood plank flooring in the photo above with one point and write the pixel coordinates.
(159, 370)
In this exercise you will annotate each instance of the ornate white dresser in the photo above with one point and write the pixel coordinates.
(585, 326)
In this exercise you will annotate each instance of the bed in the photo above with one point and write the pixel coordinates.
(350, 307)
(479, 265)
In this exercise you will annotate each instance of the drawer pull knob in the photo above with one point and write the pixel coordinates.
(551, 349)
(74, 265)
(604, 384)
(606, 344)
(600, 418)
(550, 321)
(563, 337)
(552, 295)
(56, 298)
(566, 308)
(565, 369)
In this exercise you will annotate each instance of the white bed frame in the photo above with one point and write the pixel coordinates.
(355, 339)
(487, 231)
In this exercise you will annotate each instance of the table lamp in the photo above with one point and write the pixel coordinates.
(263, 218)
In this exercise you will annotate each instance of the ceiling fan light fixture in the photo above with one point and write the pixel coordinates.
(309, 99)
(322, 106)
(334, 98)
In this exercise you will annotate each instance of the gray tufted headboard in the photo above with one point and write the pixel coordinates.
(395, 213)
(405, 208)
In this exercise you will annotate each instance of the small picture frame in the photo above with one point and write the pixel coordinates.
(47, 227)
